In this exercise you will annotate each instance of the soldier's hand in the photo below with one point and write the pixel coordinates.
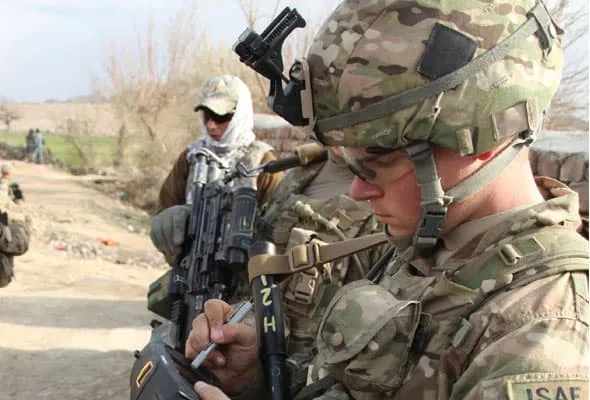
(235, 361)
(209, 392)
(168, 229)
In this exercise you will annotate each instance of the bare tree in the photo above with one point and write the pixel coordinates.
(8, 115)
(569, 108)
(143, 82)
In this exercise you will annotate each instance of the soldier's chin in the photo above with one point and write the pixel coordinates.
(215, 136)
(398, 232)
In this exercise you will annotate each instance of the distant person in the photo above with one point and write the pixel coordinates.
(38, 144)
(30, 143)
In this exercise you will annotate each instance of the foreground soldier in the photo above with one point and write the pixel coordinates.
(487, 297)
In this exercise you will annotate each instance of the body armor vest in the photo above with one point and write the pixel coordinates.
(291, 218)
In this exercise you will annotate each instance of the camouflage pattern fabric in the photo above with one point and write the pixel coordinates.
(6, 270)
(5, 198)
(368, 50)
(505, 316)
(307, 294)
(14, 241)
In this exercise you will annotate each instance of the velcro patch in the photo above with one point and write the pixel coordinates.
(547, 386)
(446, 51)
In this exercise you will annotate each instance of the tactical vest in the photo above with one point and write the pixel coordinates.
(289, 219)
(428, 316)
(250, 156)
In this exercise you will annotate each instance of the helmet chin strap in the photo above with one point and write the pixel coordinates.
(435, 201)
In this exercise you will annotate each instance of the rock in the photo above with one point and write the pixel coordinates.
(548, 165)
(572, 168)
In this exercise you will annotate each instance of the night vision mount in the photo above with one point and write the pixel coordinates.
(262, 53)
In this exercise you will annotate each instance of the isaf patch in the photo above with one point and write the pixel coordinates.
(547, 387)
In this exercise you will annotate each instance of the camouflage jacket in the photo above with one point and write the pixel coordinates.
(5, 195)
(499, 312)
(286, 221)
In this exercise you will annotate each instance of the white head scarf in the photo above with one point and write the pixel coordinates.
(239, 132)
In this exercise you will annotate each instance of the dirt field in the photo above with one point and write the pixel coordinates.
(52, 117)
(76, 311)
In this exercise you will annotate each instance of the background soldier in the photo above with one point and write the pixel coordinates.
(487, 297)
(228, 120)
(14, 235)
(6, 195)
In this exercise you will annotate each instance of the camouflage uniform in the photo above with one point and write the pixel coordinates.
(14, 228)
(291, 217)
(497, 307)
(6, 199)
(477, 323)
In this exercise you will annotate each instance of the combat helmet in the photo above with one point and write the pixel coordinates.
(467, 75)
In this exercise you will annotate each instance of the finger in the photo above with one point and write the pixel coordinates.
(198, 337)
(209, 392)
(214, 360)
(216, 311)
(239, 333)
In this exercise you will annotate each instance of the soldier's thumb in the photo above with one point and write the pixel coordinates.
(209, 392)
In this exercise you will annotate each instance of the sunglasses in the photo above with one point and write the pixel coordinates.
(219, 119)
(377, 166)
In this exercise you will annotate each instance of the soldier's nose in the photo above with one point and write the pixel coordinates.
(362, 190)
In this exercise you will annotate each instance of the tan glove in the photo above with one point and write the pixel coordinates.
(168, 230)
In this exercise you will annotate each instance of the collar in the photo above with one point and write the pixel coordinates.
(561, 207)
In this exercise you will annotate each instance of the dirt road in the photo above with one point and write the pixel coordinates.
(76, 311)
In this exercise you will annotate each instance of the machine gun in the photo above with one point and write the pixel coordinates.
(219, 233)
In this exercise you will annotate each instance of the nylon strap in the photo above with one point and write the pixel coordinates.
(538, 17)
(489, 171)
(434, 201)
(306, 256)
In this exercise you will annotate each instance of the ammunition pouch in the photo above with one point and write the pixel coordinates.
(366, 337)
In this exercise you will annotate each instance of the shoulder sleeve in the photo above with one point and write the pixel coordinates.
(545, 359)
(173, 189)
(266, 182)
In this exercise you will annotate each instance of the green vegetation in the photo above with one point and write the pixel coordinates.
(65, 150)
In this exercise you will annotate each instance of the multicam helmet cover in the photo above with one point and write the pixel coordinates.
(367, 51)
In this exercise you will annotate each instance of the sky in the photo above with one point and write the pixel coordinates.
(50, 48)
